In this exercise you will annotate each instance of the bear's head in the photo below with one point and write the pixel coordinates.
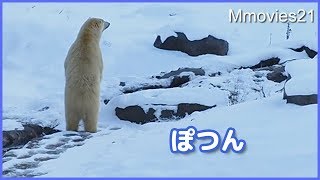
(94, 27)
(98, 23)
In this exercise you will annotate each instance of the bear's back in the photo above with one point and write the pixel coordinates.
(82, 65)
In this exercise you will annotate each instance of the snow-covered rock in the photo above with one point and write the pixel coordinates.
(142, 104)
(301, 88)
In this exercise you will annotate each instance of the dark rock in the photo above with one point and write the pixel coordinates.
(136, 114)
(167, 114)
(157, 43)
(277, 75)
(195, 71)
(122, 84)
(187, 108)
(178, 81)
(265, 63)
(49, 130)
(311, 53)
(106, 101)
(44, 108)
(302, 100)
(15, 138)
(215, 74)
(208, 45)
(146, 87)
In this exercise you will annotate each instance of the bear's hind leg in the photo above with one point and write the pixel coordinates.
(72, 121)
(90, 122)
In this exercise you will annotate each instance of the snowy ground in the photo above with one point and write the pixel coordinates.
(37, 37)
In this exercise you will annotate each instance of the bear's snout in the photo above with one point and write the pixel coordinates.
(106, 25)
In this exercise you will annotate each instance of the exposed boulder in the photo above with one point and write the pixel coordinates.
(208, 45)
(301, 87)
(136, 114)
(301, 100)
(178, 81)
(277, 75)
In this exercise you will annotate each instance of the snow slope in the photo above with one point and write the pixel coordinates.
(37, 36)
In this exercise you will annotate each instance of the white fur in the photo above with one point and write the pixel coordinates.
(83, 71)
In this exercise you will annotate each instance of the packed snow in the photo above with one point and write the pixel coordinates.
(37, 36)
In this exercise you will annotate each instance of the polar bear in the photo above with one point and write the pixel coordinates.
(83, 72)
